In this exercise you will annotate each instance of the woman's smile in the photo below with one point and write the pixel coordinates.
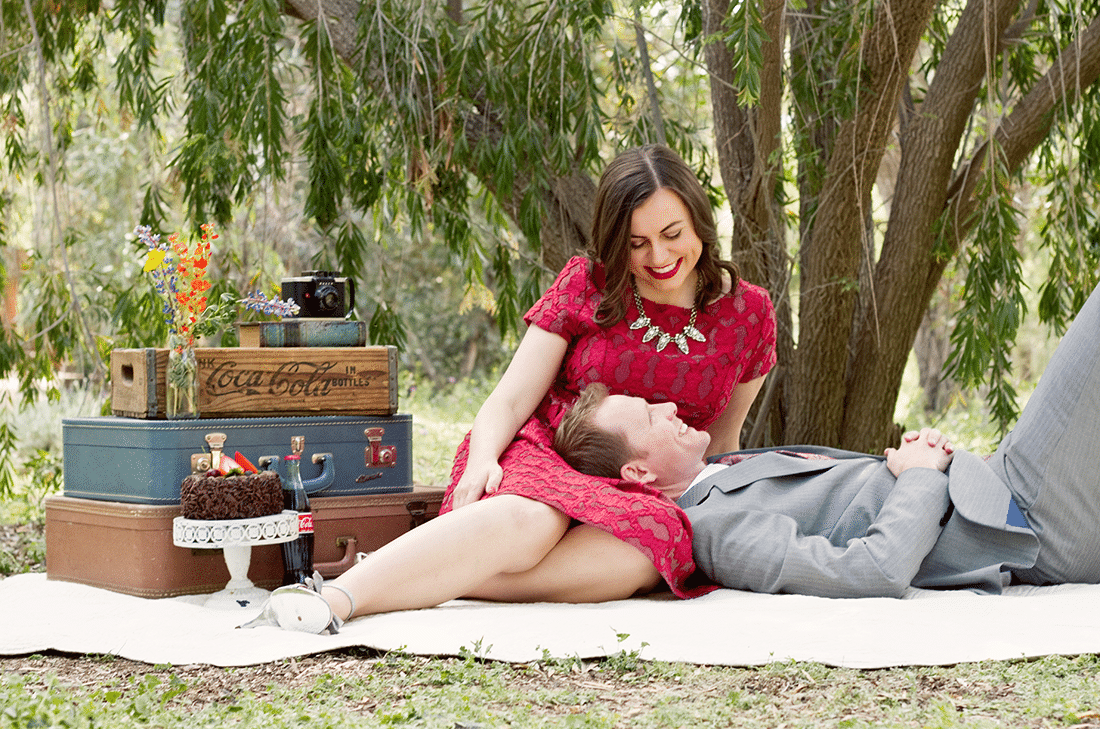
(665, 272)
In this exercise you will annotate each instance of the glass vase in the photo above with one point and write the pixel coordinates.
(182, 391)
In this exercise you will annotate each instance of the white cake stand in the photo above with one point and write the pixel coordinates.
(235, 537)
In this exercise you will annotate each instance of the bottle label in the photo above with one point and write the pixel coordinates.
(305, 522)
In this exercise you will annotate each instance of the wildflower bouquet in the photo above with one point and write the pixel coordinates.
(179, 273)
(182, 283)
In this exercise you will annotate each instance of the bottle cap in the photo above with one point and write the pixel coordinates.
(291, 458)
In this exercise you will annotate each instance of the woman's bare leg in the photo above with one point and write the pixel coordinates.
(587, 565)
(450, 556)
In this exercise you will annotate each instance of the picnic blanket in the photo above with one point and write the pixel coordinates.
(726, 627)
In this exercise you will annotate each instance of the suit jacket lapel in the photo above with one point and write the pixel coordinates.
(766, 465)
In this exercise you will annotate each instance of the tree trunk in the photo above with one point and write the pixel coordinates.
(929, 143)
(830, 268)
(747, 143)
(907, 274)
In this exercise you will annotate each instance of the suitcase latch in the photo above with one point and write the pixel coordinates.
(203, 462)
(377, 455)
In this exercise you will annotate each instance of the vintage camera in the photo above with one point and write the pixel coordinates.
(321, 294)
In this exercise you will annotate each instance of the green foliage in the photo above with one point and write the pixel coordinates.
(139, 88)
(402, 147)
(992, 298)
(385, 327)
(325, 137)
(7, 452)
(1069, 227)
(42, 476)
(384, 137)
(746, 39)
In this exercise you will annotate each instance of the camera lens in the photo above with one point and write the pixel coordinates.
(328, 298)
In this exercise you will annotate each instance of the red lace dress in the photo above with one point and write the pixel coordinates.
(740, 331)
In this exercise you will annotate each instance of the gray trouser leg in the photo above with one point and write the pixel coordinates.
(1051, 459)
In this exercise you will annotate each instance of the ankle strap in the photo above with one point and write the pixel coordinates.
(347, 593)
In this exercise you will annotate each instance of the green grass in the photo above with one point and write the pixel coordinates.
(362, 690)
(441, 418)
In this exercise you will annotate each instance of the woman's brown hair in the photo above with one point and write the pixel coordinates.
(627, 182)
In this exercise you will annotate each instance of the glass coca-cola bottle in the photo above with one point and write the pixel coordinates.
(297, 555)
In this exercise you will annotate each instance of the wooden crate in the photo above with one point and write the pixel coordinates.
(258, 381)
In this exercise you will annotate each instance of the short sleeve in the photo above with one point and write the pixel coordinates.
(760, 355)
(559, 310)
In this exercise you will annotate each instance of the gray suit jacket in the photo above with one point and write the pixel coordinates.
(848, 528)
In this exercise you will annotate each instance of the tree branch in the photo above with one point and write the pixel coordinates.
(647, 73)
(1027, 125)
(748, 141)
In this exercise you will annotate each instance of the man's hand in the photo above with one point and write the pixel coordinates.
(928, 448)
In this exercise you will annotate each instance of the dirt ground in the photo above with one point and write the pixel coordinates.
(814, 695)
(206, 684)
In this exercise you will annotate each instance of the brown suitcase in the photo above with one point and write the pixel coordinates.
(128, 547)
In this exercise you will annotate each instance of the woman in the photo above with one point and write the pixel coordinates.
(653, 312)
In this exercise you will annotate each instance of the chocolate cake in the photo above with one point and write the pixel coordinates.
(231, 497)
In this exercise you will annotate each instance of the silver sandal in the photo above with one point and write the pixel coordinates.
(301, 608)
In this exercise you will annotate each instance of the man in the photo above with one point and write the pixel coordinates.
(825, 522)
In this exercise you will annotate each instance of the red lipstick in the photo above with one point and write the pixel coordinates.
(662, 276)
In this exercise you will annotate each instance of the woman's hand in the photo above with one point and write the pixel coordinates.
(525, 382)
(928, 448)
(477, 480)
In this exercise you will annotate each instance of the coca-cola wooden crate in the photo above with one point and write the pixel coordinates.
(128, 548)
(256, 381)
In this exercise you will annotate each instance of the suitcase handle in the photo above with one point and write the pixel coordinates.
(326, 478)
(329, 570)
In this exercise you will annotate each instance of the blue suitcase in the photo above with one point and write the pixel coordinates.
(144, 461)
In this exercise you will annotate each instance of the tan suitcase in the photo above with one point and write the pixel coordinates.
(128, 547)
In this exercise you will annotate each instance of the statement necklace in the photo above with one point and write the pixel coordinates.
(663, 337)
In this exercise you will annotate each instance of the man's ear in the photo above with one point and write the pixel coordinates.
(636, 470)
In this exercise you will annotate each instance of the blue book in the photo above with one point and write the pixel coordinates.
(303, 333)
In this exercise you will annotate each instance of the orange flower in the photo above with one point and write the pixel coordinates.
(182, 280)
